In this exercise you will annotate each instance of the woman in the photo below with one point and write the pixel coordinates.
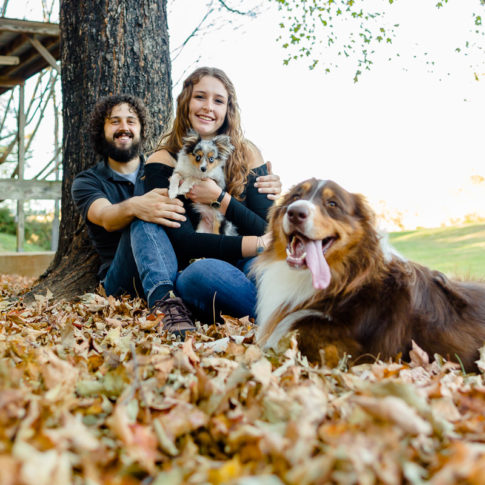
(218, 283)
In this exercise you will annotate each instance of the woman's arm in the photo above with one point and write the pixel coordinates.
(189, 244)
(268, 183)
(251, 216)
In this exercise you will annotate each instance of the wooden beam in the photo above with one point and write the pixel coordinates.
(10, 82)
(30, 189)
(45, 53)
(28, 27)
(9, 60)
(15, 46)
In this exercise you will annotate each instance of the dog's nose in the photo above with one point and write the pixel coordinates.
(203, 169)
(298, 212)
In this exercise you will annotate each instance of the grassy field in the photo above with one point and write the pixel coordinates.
(9, 243)
(458, 251)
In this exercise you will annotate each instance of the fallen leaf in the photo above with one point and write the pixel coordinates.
(395, 410)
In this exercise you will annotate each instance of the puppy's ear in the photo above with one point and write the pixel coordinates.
(362, 209)
(191, 139)
(224, 145)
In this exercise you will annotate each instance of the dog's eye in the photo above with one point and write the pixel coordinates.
(197, 158)
(332, 203)
(211, 159)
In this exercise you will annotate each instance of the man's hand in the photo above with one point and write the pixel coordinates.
(269, 184)
(155, 206)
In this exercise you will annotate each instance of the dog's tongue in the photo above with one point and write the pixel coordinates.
(317, 264)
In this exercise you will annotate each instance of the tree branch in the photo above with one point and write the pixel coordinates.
(233, 10)
(179, 49)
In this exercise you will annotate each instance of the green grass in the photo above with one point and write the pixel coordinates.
(9, 243)
(456, 251)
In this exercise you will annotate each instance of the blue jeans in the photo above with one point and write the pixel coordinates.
(211, 287)
(144, 263)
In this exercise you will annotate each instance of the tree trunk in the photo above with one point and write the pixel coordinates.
(107, 47)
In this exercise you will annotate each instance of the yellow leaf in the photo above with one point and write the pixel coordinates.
(228, 471)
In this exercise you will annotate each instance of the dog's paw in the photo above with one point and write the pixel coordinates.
(172, 193)
(173, 188)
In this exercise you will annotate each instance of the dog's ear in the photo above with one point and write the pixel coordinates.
(224, 145)
(190, 140)
(362, 209)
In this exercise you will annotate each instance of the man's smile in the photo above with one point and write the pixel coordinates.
(123, 135)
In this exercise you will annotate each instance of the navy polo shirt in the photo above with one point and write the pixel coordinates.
(101, 182)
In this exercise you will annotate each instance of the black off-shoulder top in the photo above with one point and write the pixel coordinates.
(248, 215)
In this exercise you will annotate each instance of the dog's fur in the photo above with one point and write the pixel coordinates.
(200, 159)
(369, 302)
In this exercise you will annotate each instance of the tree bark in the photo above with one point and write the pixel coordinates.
(107, 47)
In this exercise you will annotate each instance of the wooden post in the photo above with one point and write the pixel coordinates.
(21, 163)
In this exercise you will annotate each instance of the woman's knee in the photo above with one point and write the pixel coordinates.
(195, 276)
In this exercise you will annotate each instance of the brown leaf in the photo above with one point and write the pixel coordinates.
(88, 394)
(188, 350)
(419, 358)
(395, 410)
(182, 419)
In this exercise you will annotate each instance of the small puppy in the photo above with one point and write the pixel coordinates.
(328, 275)
(199, 159)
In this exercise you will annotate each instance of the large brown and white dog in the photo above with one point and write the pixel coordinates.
(328, 275)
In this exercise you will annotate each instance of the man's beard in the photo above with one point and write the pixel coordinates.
(121, 155)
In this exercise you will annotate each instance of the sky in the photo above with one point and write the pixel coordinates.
(406, 136)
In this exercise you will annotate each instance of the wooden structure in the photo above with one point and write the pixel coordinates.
(27, 48)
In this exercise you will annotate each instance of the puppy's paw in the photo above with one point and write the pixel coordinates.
(173, 188)
(172, 192)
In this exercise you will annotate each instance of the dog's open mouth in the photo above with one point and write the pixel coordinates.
(302, 252)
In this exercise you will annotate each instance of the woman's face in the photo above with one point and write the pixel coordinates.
(208, 106)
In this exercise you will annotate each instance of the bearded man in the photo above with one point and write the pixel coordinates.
(138, 259)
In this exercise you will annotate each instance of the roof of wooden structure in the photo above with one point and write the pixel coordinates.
(25, 49)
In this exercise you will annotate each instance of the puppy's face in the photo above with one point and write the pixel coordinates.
(207, 155)
(317, 225)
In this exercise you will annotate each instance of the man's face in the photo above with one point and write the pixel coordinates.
(122, 134)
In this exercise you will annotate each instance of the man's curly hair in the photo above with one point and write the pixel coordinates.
(103, 109)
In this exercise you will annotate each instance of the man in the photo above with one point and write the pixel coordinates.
(140, 262)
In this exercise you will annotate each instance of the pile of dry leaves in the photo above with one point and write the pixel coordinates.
(91, 394)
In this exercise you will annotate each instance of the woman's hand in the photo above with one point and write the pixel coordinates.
(204, 192)
(269, 184)
(267, 238)
(253, 245)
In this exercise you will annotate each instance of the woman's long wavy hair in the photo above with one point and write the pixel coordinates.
(237, 168)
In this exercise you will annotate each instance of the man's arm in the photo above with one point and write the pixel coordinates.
(154, 206)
